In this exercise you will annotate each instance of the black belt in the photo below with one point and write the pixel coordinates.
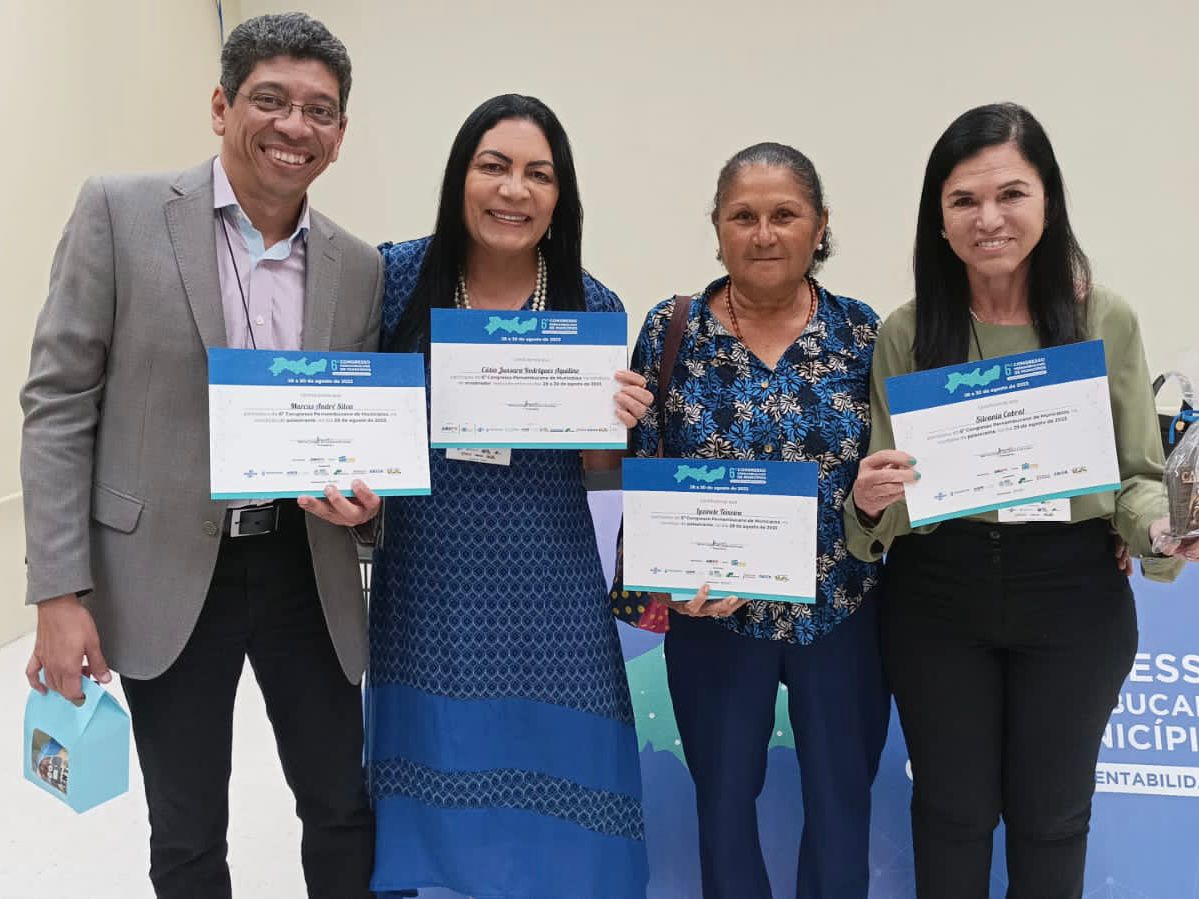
(251, 521)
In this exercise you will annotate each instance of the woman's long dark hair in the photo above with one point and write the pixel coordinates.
(446, 254)
(1058, 274)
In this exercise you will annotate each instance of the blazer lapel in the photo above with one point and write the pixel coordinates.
(193, 235)
(321, 285)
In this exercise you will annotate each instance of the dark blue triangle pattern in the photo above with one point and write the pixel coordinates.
(598, 810)
(492, 588)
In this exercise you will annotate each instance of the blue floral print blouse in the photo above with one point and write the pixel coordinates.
(725, 403)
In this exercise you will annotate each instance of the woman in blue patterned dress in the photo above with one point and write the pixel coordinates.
(773, 366)
(501, 752)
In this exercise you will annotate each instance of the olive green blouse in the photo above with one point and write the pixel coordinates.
(1141, 497)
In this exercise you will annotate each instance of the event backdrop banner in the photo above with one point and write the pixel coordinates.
(1146, 815)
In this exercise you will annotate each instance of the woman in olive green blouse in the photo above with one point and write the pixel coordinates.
(1006, 643)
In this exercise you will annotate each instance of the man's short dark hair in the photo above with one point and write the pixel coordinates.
(293, 34)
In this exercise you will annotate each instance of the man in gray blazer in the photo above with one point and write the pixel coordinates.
(130, 563)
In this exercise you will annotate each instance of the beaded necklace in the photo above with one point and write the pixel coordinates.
(728, 302)
(462, 296)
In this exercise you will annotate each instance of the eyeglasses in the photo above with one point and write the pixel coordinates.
(319, 114)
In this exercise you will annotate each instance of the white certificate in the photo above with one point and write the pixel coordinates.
(1008, 431)
(526, 379)
(745, 529)
(286, 424)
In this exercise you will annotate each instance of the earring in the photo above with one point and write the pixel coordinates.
(719, 258)
(549, 232)
(943, 235)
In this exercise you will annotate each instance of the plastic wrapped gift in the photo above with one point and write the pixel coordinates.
(1182, 482)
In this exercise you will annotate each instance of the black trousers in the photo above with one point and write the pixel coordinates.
(724, 687)
(1006, 646)
(262, 604)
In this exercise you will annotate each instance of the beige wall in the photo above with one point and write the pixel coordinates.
(92, 87)
(655, 95)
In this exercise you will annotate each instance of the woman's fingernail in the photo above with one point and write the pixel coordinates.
(911, 461)
(917, 476)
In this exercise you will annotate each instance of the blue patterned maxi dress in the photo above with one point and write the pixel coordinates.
(501, 753)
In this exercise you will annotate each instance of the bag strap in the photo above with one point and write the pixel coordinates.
(670, 355)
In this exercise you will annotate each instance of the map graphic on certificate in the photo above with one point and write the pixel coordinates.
(285, 424)
(975, 378)
(513, 325)
(1012, 431)
(526, 380)
(281, 364)
(745, 529)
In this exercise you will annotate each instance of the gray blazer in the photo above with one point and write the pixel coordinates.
(114, 455)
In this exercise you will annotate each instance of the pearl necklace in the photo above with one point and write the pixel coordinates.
(462, 296)
(728, 302)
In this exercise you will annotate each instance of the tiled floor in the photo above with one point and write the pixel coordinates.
(49, 852)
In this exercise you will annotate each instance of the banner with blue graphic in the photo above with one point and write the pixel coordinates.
(289, 368)
(533, 328)
(1145, 826)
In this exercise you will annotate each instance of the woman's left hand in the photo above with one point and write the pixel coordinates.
(1159, 533)
(703, 606)
(632, 400)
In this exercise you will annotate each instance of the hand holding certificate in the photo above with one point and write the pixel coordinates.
(1006, 432)
(526, 379)
(743, 528)
(285, 424)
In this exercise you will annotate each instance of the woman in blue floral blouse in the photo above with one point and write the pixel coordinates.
(772, 366)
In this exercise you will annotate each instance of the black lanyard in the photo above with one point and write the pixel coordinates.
(245, 306)
(978, 346)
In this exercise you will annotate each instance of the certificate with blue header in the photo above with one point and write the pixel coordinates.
(1007, 431)
(284, 423)
(744, 528)
(526, 380)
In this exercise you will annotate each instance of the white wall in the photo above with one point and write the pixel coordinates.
(655, 95)
(90, 87)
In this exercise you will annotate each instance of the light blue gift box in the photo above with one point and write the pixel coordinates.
(85, 748)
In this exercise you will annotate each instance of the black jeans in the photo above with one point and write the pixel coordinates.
(262, 604)
(1006, 646)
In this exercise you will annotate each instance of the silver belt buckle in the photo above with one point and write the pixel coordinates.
(256, 513)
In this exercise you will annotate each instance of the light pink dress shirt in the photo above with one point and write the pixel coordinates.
(272, 278)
